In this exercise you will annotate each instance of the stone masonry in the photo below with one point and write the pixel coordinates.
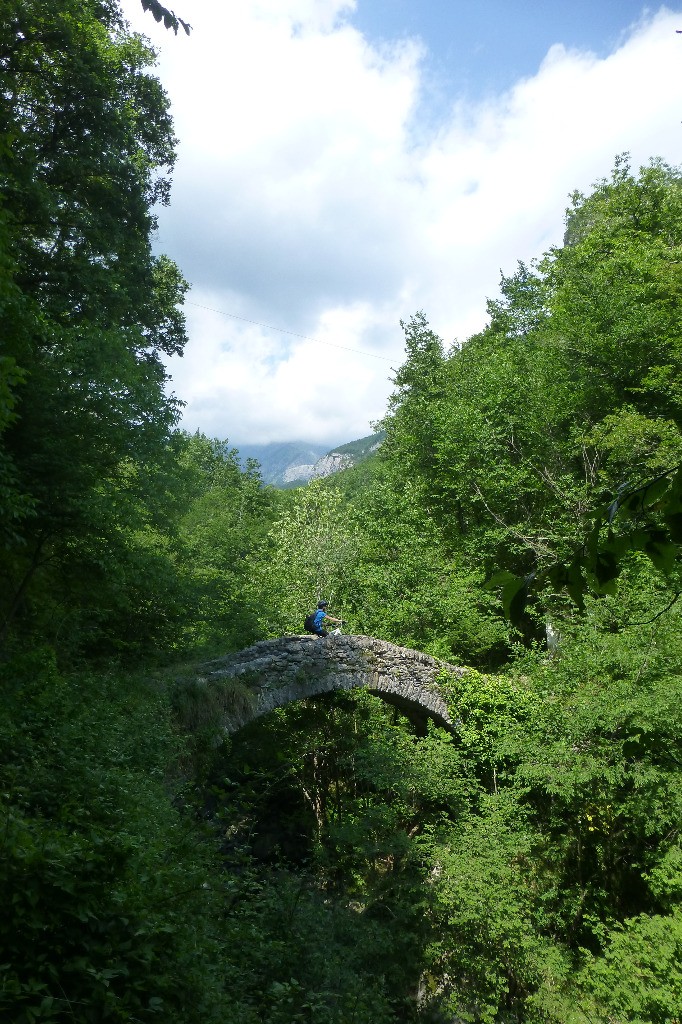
(292, 668)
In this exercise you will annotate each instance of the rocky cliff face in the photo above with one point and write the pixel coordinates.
(302, 471)
(291, 463)
(284, 462)
(330, 463)
(346, 455)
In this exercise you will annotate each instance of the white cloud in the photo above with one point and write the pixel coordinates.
(309, 196)
(276, 386)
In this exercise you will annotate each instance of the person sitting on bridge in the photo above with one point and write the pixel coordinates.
(319, 617)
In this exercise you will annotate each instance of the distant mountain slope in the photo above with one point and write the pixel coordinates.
(292, 463)
(346, 455)
(361, 449)
(283, 462)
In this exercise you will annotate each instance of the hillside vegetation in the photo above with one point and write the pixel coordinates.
(328, 865)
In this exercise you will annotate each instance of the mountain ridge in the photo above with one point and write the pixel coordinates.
(293, 463)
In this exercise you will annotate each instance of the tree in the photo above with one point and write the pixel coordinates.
(86, 147)
(222, 526)
(310, 548)
(613, 294)
(525, 441)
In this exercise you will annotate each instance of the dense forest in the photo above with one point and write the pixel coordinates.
(523, 517)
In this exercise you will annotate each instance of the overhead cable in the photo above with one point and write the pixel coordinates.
(281, 330)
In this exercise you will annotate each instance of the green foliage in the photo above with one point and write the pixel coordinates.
(489, 952)
(400, 587)
(486, 708)
(296, 953)
(654, 512)
(88, 145)
(309, 549)
(600, 762)
(519, 439)
(329, 864)
(103, 885)
(639, 978)
(339, 791)
(14, 506)
(222, 529)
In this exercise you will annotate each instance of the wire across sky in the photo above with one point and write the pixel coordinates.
(282, 330)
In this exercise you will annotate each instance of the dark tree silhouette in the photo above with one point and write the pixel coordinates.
(169, 18)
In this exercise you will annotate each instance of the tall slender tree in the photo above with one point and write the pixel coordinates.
(86, 150)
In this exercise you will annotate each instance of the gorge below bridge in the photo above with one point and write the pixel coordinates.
(274, 673)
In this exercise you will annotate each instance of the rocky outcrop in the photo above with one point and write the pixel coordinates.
(292, 668)
(298, 472)
(331, 463)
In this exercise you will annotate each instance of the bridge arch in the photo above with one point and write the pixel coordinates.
(292, 668)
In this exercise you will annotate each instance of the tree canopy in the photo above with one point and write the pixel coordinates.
(89, 310)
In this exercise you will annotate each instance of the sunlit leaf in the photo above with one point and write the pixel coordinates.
(501, 579)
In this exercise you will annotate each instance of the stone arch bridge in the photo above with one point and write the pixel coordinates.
(292, 668)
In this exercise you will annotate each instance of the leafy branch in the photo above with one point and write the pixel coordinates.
(169, 18)
(656, 505)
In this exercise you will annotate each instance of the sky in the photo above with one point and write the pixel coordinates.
(343, 164)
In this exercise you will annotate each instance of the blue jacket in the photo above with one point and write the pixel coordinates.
(320, 614)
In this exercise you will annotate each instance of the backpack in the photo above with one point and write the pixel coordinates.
(309, 623)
